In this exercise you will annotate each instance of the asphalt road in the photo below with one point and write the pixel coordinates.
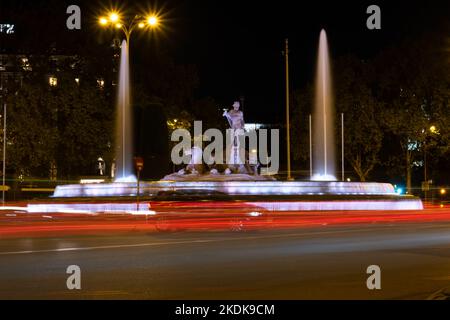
(327, 262)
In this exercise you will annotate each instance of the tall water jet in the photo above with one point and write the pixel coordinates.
(124, 139)
(323, 129)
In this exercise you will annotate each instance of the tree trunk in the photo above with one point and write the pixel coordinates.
(357, 166)
(408, 172)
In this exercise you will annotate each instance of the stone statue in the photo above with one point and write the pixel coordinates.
(236, 168)
(235, 117)
(236, 159)
(195, 165)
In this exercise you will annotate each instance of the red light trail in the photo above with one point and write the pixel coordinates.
(201, 216)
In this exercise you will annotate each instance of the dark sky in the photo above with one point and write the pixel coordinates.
(237, 45)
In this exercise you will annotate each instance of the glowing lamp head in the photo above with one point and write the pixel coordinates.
(113, 17)
(103, 21)
(118, 25)
(443, 191)
(141, 25)
(152, 21)
(433, 129)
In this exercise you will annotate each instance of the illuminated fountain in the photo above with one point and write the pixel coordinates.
(124, 128)
(322, 193)
(323, 138)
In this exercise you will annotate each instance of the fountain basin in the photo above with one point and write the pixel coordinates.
(117, 189)
(275, 195)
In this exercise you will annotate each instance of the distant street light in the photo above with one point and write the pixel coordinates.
(433, 129)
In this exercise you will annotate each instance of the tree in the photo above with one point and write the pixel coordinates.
(84, 127)
(362, 124)
(413, 82)
(32, 134)
(301, 109)
(67, 126)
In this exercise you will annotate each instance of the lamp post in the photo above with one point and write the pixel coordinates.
(4, 152)
(288, 137)
(433, 131)
(310, 149)
(342, 147)
(3, 95)
(139, 164)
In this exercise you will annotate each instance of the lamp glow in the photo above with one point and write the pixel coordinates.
(113, 17)
(103, 21)
(152, 21)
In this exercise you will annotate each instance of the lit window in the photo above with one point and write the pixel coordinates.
(26, 64)
(53, 81)
(101, 83)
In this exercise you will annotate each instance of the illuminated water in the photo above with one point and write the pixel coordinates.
(323, 117)
(124, 129)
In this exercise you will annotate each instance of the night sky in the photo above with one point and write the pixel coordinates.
(237, 45)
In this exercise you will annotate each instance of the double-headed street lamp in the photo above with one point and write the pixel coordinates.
(115, 20)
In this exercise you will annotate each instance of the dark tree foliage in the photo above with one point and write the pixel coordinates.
(362, 125)
(414, 84)
(67, 126)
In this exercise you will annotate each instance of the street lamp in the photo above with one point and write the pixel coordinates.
(115, 20)
(434, 131)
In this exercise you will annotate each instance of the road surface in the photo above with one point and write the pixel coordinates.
(306, 261)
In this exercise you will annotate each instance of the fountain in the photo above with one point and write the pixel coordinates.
(124, 128)
(322, 193)
(323, 137)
